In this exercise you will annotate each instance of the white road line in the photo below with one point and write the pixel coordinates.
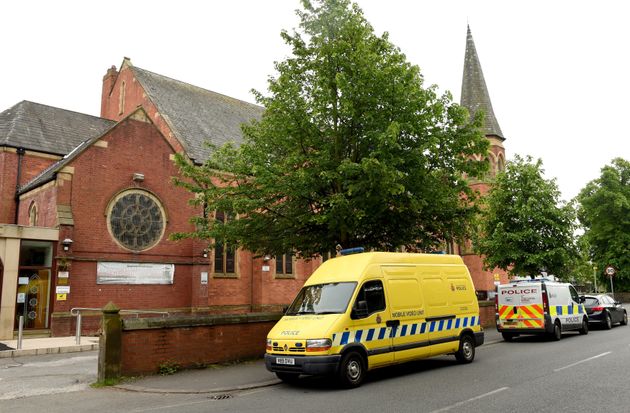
(583, 361)
(458, 404)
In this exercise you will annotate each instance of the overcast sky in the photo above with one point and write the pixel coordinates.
(557, 71)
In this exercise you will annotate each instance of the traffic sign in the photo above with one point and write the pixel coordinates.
(610, 271)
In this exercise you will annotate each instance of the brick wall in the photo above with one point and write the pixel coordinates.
(192, 342)
(487, 313)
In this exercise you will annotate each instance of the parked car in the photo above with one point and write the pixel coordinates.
(604, 310)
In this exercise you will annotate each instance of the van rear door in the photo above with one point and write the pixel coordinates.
(520, 306)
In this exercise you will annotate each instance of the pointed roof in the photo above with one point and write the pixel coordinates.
(474, 91)
(47, 129)
(196, 115)
(49, 173)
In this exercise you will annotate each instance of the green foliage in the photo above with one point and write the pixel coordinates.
(604, 211)
(168, 367)
(351, 150)
(524, 228)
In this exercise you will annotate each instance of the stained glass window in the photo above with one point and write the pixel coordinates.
(136, 220)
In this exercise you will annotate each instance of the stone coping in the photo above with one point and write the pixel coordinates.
(197, 321)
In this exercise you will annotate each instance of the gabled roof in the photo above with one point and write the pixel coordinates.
(49, 173)
(474, 90)
(197, 115)
(47, 129)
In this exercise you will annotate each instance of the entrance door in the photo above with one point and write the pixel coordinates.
(34, 280)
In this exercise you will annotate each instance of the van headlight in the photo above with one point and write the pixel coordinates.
(319, 344)
(269, 344)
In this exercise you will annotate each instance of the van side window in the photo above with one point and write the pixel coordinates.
(574, 295)
(372, 293)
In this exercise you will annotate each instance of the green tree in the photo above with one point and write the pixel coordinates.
(351, 150)
(525, 229)
(604, 211)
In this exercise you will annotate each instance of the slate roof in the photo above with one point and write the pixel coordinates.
(474, 90)
(47, 129)
(196, 115)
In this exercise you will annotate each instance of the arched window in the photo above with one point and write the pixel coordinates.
(121, 99)
(32, 215)
(500, 164)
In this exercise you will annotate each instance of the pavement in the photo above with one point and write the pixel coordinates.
(215, 379)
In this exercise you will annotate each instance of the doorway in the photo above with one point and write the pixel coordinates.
(34, 281)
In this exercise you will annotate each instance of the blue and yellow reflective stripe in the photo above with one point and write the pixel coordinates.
(566, 309)
(404, 330)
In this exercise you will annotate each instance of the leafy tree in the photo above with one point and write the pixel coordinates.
(524, 227)
(604, 211)
(351, 150)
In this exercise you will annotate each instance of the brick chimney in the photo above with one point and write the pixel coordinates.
(108, 84)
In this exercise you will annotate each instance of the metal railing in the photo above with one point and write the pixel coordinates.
(76, 311)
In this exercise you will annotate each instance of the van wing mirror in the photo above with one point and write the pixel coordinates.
(360, 310)
(582, 299)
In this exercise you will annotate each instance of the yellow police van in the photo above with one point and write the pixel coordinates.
(539, 306)
(368, 310)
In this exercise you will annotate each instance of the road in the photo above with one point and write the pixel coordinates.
(577, 374)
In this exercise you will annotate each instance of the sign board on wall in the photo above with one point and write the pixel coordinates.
(134, 273)
(63, 289)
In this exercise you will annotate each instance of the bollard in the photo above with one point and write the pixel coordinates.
(78, 335)
(20, 330)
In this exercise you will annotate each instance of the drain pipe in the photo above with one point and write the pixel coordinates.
(20, 154)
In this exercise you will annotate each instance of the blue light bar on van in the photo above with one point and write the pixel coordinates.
(348, 251)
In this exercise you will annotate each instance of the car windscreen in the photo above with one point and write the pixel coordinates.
(590, 301)
(329, 298)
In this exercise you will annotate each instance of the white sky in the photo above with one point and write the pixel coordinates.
(557, 71)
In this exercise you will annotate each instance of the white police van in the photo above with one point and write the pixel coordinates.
(539, 306)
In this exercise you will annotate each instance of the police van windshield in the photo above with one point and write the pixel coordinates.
(330, 298)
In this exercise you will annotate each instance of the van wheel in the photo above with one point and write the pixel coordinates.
(352, 370)
(556, 335)
(624, 319)
(608, 324)
(508, 336)
(466, 352)
(288, 377)
(584, 329)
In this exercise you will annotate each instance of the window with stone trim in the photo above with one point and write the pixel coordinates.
(284, 265)
(136, 219)
(224, 254)
(32, 215)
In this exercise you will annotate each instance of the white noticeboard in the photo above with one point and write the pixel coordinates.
(204, 278)
(134, 273)
(21, 298)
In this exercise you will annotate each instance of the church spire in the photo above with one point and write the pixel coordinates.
(474, 91)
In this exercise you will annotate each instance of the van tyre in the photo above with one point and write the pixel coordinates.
(508, 336)
(624, 319)
(288, 377)
(352, 370)
(584, 329)
(466, 352)
(608, 324)
(556, 334)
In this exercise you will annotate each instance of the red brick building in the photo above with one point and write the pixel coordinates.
(87, 205)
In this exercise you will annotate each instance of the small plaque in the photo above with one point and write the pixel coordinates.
(265, 268)
(204, 278)
(62, 297)
(63, 274)
(23, 281)
(63, 289)
(21, 298)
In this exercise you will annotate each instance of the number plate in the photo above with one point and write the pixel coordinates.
(286, 361)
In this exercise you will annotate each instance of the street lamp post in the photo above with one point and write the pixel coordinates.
(595, 277)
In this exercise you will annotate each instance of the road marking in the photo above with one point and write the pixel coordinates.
(20, 394)
(583, 361)
(458, 404)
